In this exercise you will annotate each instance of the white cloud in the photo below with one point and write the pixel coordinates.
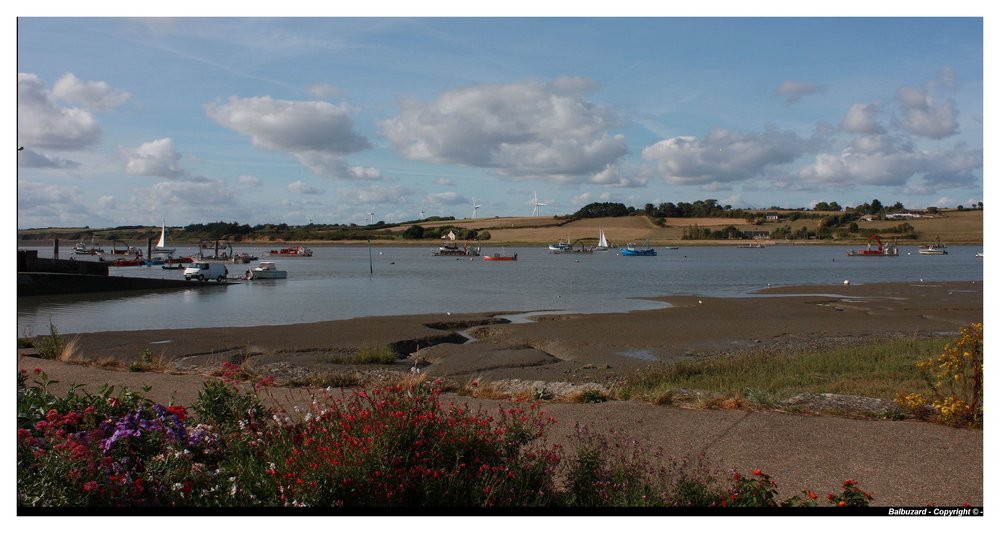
(301, 187)
(249, 181)
(318, 133)
(860, 118)
(96, 95)
(376, 194)
(106, 202)
(923, 116)
(899, 166)
(446, 182)
(325, 90)
(156, 158)
(43, 205)
(793, 91)
(445, 198)
(42, 123)
(614, 176)
(365, 173)
(582, 199)
(724, 155)
(516, 129)
(290, 126)
(31, 159)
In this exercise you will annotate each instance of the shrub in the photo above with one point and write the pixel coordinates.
(955, 380)
(396, 446)
(49, 346)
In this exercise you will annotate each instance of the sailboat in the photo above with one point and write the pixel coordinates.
(161, 247)
(602, 243)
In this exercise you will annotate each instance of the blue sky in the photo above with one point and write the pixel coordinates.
(255, 120)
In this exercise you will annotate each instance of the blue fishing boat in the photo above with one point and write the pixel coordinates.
(632, 249)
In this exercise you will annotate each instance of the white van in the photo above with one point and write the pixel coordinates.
(206, 271)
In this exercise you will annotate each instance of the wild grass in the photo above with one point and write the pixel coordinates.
(366, 355)
(877, 370)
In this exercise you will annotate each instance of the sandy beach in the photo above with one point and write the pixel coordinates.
(901, 462)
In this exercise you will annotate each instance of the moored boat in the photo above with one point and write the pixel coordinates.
(632, 250)
(883, 250)
(933, 249)
(125, 262)
(502, 256)
(266, 270)
(602, 242)
(161, 246)
(295, 251)
(91, 248)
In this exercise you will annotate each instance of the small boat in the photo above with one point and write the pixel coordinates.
(243, 258)
(502, 256)
(454, 250)
(171, 260)
(123, 262)
(933, 249)
(83, 248)
(451, 249)
(561, 247)
(125, 249)
(161, 246)
(602, 243)
(266, 270)
(671, 247)
(632, 250)
(980, 254)
(214, 251)
(886, 250)
(295, 251)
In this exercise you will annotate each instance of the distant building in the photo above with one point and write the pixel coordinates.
(772, 217)
(756, 234)
(902, 215)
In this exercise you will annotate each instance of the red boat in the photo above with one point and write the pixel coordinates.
(178, 260)
(502, 256)
(889, 249)
(297, 251)
(122, 262)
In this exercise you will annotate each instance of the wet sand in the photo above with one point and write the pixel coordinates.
(573, 347)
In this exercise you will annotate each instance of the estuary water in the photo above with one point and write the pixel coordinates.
(336, 283)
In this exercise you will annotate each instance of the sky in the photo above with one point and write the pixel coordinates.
(183, 120)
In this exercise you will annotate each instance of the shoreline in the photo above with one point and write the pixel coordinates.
(574, 347)
(902, 463)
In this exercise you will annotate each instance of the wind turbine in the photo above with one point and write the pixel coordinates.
(372, 215)
(421, 214)
(536, 204)
(475, 209)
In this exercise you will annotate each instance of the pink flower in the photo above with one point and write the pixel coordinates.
(90, 486)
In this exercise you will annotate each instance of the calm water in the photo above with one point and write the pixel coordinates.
(335, 284)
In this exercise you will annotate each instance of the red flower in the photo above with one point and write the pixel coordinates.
(90, 486)
(38, 371)
(841, 503)
(757, 472)
(178, 410)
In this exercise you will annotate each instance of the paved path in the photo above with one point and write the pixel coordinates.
(900, 462)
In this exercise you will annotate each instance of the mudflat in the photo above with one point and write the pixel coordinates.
(570, 347)
(903, 463)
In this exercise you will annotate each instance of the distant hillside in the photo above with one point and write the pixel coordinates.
(952, 226)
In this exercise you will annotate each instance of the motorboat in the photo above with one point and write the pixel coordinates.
(632, 250)
(266, 270)
(883, 250)
(295, 251)
(502, 256)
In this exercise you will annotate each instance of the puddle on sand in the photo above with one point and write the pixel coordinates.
(643, 355)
